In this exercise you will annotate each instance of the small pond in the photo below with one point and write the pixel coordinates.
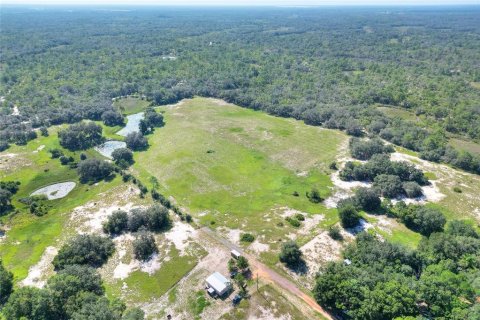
(133, 123)
(55, 191)
(106, 149)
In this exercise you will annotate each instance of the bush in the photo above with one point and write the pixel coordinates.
(137, 219)
(4, 146)
(44, 131)
(293, 222)
(334, 233)
(158, 218)
(365, 149)
(299, 217)
(64, 160)
(314, 196)
(461, 228)
(123, 157)
(56, 153)
(112, 118)
(136, 141)
(11, 186)
(412, 189)
(91, 170)
(144, 246)
(389, 186)
(37, 205)
(5, 200)
(349, 216)
(81, 136)
(290, 254)
(457, 189)
(247, 237)
(367, 199)
(333, 165)
(29, 303)
(84, 250)
(6, 283)
(117, 223)
(83, 156)
(424, 220)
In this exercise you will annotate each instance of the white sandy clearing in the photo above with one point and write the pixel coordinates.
(15, 111)
(91, 219)
(55, 191)
(233, 235)
(40, 148)
(180, 235)
(258, 247)
(38, 273)
(310, 223)
(362, 226)
(318, 251)
(267, 314)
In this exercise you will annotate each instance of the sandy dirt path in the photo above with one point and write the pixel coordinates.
(269, 275)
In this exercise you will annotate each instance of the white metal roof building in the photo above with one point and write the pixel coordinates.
(219, 283)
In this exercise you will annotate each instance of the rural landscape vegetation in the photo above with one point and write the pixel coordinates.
(320, 162)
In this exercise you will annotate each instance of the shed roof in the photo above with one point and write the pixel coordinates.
(218, 282)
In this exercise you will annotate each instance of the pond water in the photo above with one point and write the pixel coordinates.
(55, 191)
(106, 149)
(133, 122)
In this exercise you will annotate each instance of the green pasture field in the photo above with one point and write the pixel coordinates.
(230, 166)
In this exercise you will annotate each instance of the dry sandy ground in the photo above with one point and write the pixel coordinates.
(344, 189)
(10, 162)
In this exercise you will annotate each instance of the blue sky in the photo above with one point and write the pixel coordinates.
(246, 2)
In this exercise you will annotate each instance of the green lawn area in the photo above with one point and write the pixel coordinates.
(30, 235)
(130, 105)
(143, 287)
(232, 165)
(465, 145)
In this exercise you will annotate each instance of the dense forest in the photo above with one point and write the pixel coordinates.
(329, 67)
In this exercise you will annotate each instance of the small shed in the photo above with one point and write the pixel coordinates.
(219, 283)
(235, 254)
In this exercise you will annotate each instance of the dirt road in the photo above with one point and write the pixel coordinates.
(268, 274)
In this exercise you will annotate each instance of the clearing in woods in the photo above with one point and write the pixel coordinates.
(237, 168)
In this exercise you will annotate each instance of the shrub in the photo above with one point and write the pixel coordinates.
(112, 118)
(117, 223)
(89, 250)
(44, 131)
(81, 136)
(64, 160)
(37, 205)
(94, 170)
(123, 157)
(290, 254)
(29, 303)
(11, 186)
(333, 165)
(389, 186)
(461, 228)
(6, 283)
(158, 218)
(56, 153)
(412, 189)
(137, 219)
(365, 149)
(293, 222)
(300, 217)
(424, 220)
(83, 156)
(247, 237)
(5, 200)
(334, 233)
(457, 189)
(314, 196)
(144, 246)
(188, 218)
(136, 141)
(4, 146)
(367, 199)
(349, 216)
